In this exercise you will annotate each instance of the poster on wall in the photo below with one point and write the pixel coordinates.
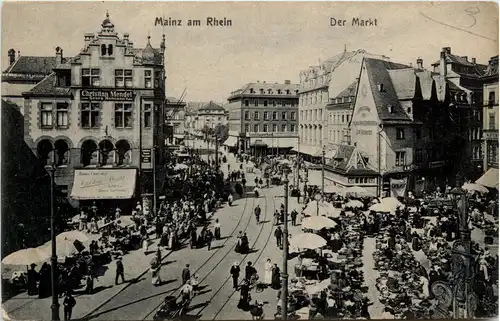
(398, 187)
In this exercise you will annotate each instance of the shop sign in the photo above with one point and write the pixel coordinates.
(363, 132)
(436, 164)
(106, 94)
(398, 186)
(146, 156)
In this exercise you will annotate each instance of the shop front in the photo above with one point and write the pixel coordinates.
(109, 188)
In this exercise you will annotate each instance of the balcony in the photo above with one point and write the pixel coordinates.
(490, 134)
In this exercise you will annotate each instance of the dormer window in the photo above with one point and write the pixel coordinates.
(296, 92)
(391, 109)
(288, 92)
(252, 91)
(279, 91)
(262, 91)
(269, 91)
(339, 100)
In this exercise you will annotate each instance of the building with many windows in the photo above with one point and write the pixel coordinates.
(263, 117)
(210, 115)
(175, 117)
(99, 116)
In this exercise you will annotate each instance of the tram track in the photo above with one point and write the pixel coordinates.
(151, 313)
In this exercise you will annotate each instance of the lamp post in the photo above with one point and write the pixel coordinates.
(284, 275)
(306, 172)
(323, 170)
(317, 197)
(153, 160)
(53, 259)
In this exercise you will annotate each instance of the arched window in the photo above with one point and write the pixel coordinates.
(44, 149)
(105, 149)
(89, 153)
(62, 152)
(110, 50)
(103, 50)
(124, 152)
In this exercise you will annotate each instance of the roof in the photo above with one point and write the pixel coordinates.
(47, 87)
(478, 69)
(174, 101)
(211, 106)
(492, 69)
(348, 160)
(404, 82)
(349, 91)
(193, 106)
(378, 74)
(426, 83)
(33, 65)
(274, 87)
(333, 62)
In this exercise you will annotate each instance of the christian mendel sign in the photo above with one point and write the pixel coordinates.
(106, 94)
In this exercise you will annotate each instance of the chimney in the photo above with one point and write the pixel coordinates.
(465, 57)
(59, 56)
(474, 60)
(125, 38)
(442, 64)
(447, 50)
(12, 56)
(287, 82)
(420, 63)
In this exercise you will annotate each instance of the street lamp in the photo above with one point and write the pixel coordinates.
(284, 275)
(53, 259)
(323, 170)
(317, 197)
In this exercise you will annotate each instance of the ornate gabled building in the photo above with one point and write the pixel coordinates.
(100, 115)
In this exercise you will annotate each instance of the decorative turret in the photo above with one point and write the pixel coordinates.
(107, 25)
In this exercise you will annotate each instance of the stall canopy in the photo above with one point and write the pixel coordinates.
(489, 179)
(310, 150)
(231, 141)
(104, 184)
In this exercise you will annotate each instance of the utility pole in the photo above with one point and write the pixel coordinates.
(216, 153)
(153, 160)
(284, 275)
(323, 171)
(53, 259)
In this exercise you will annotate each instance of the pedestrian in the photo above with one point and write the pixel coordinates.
(145, 245)
(293, 215)
(186, 274)
(69, 302)
(209, 237)
(119, 270)
(278, 233)
(268, 272)
(257, 212)
(33, 278)
(217, 229)
(235, 274)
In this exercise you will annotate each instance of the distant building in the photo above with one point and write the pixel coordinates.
(490, 125)
(210, 115)
(263, 118)
(100, 114)
(22, 74)
(175, 117)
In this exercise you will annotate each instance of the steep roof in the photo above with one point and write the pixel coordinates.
(349, 160)
(349, 91)
(404, 82)
(492, 69)
(477, 69)
(33, 65)
(426, 83)
(194, 106)
(211, 106)
(47, 87)
(378, 74)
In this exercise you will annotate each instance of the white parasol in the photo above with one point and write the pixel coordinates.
(26, 257)
(474, 187)
(307, 241)
(392, 202)
(315, 208)
(73, 236)
(178, 167)
(317, 223)
(381, 207)
(357, 191)
(354, 204)
(64, 248)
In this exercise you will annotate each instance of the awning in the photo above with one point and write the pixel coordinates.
(489, 179)
(311, 150)
(258, 142)
(282, 142)
(231, 141)
(104, 184)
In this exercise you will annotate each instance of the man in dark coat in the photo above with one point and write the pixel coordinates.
(68, 303)
(208, 238)
(293, 216)
(119, 271)
(235, 274)
(32, 279)
(186, 274)
(194, 237)
(278, 233)
(249, 271)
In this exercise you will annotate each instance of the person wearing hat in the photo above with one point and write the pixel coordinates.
(32, 279)
(119, 270)
(235, 274)
(186, 274)
(68, 303)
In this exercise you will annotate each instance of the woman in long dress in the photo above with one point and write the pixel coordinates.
(145, 245)
(276, 282)
(268, 272)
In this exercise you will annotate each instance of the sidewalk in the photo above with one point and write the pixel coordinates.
(136, 263)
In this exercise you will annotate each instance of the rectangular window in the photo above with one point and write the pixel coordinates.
(265, 103)
(275, 115)
(274, 103)
(491, 98)
(292, 115)
(256, 128)
(400, 158)
(158, 79)
(90, 115)
(492, 123)
(123, 78)
(90, 77)
(400, 133)
(247, 115)
(266, 115)
(247, 128)
(292, 127)
(419, 156)
(46, 115)
(275, 128)
(256, 115)
(283, 127)
(265, 128)
(123, 115)
(148, 79)
(62, 110)
(256, 103)
(283, 115)
(343, 119)
(147, 115)
(246, 102)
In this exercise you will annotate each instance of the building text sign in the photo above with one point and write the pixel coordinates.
(106, 94)
(103, 184)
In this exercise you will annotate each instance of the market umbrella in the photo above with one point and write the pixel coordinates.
(307, 241)
(178, 167)
(474, 187)
(357, 191)
(25, 257)
(73, 236)
(318, 287)
(265, 166)
(63, 247)
(315, 208)
(354, 204)
(383, 207)
(317, 223)
(392, 202)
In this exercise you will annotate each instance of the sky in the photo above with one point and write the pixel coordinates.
(268, 41)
